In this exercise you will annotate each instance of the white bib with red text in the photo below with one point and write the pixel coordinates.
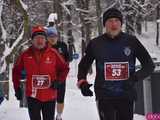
(116, 71)
(41, 81)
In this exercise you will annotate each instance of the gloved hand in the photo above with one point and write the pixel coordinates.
(56, 84)
(85, 89)
(18, 93)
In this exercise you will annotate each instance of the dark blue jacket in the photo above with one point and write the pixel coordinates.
(62, 49)
(123, 48)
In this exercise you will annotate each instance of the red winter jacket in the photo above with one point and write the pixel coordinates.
(41, 67)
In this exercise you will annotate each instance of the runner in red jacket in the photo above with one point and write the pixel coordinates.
(45, 70)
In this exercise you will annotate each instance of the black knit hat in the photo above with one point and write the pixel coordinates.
(112, 13)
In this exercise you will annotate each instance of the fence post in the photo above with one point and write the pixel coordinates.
(147, 95)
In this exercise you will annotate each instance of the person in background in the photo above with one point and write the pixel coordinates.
(45, 72)
(2, 91)
(1, 94)
(52, 19)
(61, 47)
(115, 53)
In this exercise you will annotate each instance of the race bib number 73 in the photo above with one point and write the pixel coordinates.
(40, 81)
(116, 71)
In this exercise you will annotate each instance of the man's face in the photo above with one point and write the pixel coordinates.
(52, 39)
(113, 26)
(39, 41)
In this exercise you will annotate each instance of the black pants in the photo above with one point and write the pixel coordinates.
(35, 107)
(115, 109)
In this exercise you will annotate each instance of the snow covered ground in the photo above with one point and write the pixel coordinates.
(77, 107)
(148, 39)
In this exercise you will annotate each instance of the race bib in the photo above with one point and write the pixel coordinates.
(116, 71)
(40, 81)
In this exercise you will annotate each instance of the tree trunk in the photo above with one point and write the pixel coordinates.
(25, 18)
(69, 34)
(145, 25)
(158, 17)
(80, 5)
(139, 24)
(129, 18)
(99, 21)
(59, 24)
(86, 25)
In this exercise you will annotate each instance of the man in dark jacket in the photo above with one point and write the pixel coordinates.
(1, 93)
(115, 53)
(62, 49)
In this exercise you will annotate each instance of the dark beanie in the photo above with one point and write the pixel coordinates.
(112, 13)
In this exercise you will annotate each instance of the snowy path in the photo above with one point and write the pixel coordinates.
(148, 39)
(76, 107)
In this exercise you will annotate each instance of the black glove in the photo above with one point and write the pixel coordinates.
(18, 93)
(56, 84)
(85, 89)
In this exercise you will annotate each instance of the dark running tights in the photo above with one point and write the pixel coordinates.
(121, 109)
(36, 107)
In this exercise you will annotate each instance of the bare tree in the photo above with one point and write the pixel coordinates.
(158, 22)
(58, 8)
(69, 25)
(99, 12)
(83, 8)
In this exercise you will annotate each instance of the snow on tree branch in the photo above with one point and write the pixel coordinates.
(158, 21)
(65, 8)
(69, 2)
(113, 4)
(4, 32)
(8, 49)
(25, 7)
(82, 10)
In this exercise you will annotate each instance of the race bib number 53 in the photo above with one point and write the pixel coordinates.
(40, 81)
(116, 71)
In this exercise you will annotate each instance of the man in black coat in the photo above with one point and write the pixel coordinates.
(62, 49)
(115, 54)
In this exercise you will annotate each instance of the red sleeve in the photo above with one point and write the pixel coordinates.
(62, 67)
(16, 72)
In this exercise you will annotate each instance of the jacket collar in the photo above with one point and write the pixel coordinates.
(115, 38)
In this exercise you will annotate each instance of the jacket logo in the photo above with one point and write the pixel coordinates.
(127, 51)
(48, 61)
(29, 57)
